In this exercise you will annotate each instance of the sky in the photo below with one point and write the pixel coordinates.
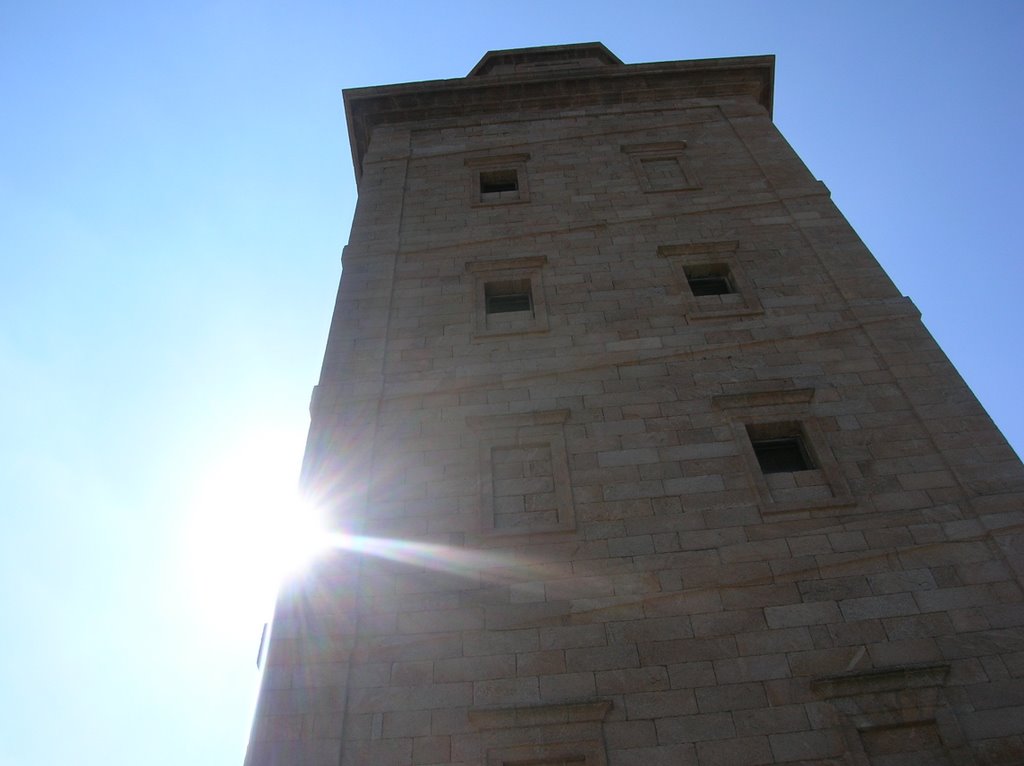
(175, 191)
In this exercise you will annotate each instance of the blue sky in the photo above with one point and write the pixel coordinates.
(175, 191)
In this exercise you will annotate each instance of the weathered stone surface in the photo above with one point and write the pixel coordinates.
(585, 307)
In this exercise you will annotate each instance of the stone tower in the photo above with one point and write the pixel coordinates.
(660, 466)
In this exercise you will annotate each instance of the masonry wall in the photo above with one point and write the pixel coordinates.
(651, 596)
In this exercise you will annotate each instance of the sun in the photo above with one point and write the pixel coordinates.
(248, 530)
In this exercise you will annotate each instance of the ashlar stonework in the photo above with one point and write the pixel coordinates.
(666, 469)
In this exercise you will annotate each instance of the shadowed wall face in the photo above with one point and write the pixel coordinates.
(653, 463)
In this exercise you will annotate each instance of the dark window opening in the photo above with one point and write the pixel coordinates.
(785, 455)
(509, 296)
(710, 286)
(709, 280)
(495, 181)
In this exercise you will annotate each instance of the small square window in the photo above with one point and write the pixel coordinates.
(498, 181)
(509, 296)
(780, 447)
(789, 463)
(709, 280)
(786, 455)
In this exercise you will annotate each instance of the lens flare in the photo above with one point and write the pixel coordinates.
(456, 560)
(250, 532)
(248, 529)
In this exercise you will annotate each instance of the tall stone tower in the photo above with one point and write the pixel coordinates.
(663, 468)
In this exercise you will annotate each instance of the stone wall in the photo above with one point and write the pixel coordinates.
(687, 305)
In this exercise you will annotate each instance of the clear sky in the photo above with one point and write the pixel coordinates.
(175, 191)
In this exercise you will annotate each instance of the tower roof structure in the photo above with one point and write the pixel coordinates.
(552, 77)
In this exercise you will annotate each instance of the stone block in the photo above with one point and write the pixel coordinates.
(695, 728)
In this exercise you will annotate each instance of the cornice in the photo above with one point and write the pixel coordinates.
(409, 103)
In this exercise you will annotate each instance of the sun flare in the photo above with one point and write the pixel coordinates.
(250, 529)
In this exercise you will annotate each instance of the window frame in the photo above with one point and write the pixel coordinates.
(786, 413)
(527, 269)
(477, 167)
(724, 256)
(640, 155)
(524, 431)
